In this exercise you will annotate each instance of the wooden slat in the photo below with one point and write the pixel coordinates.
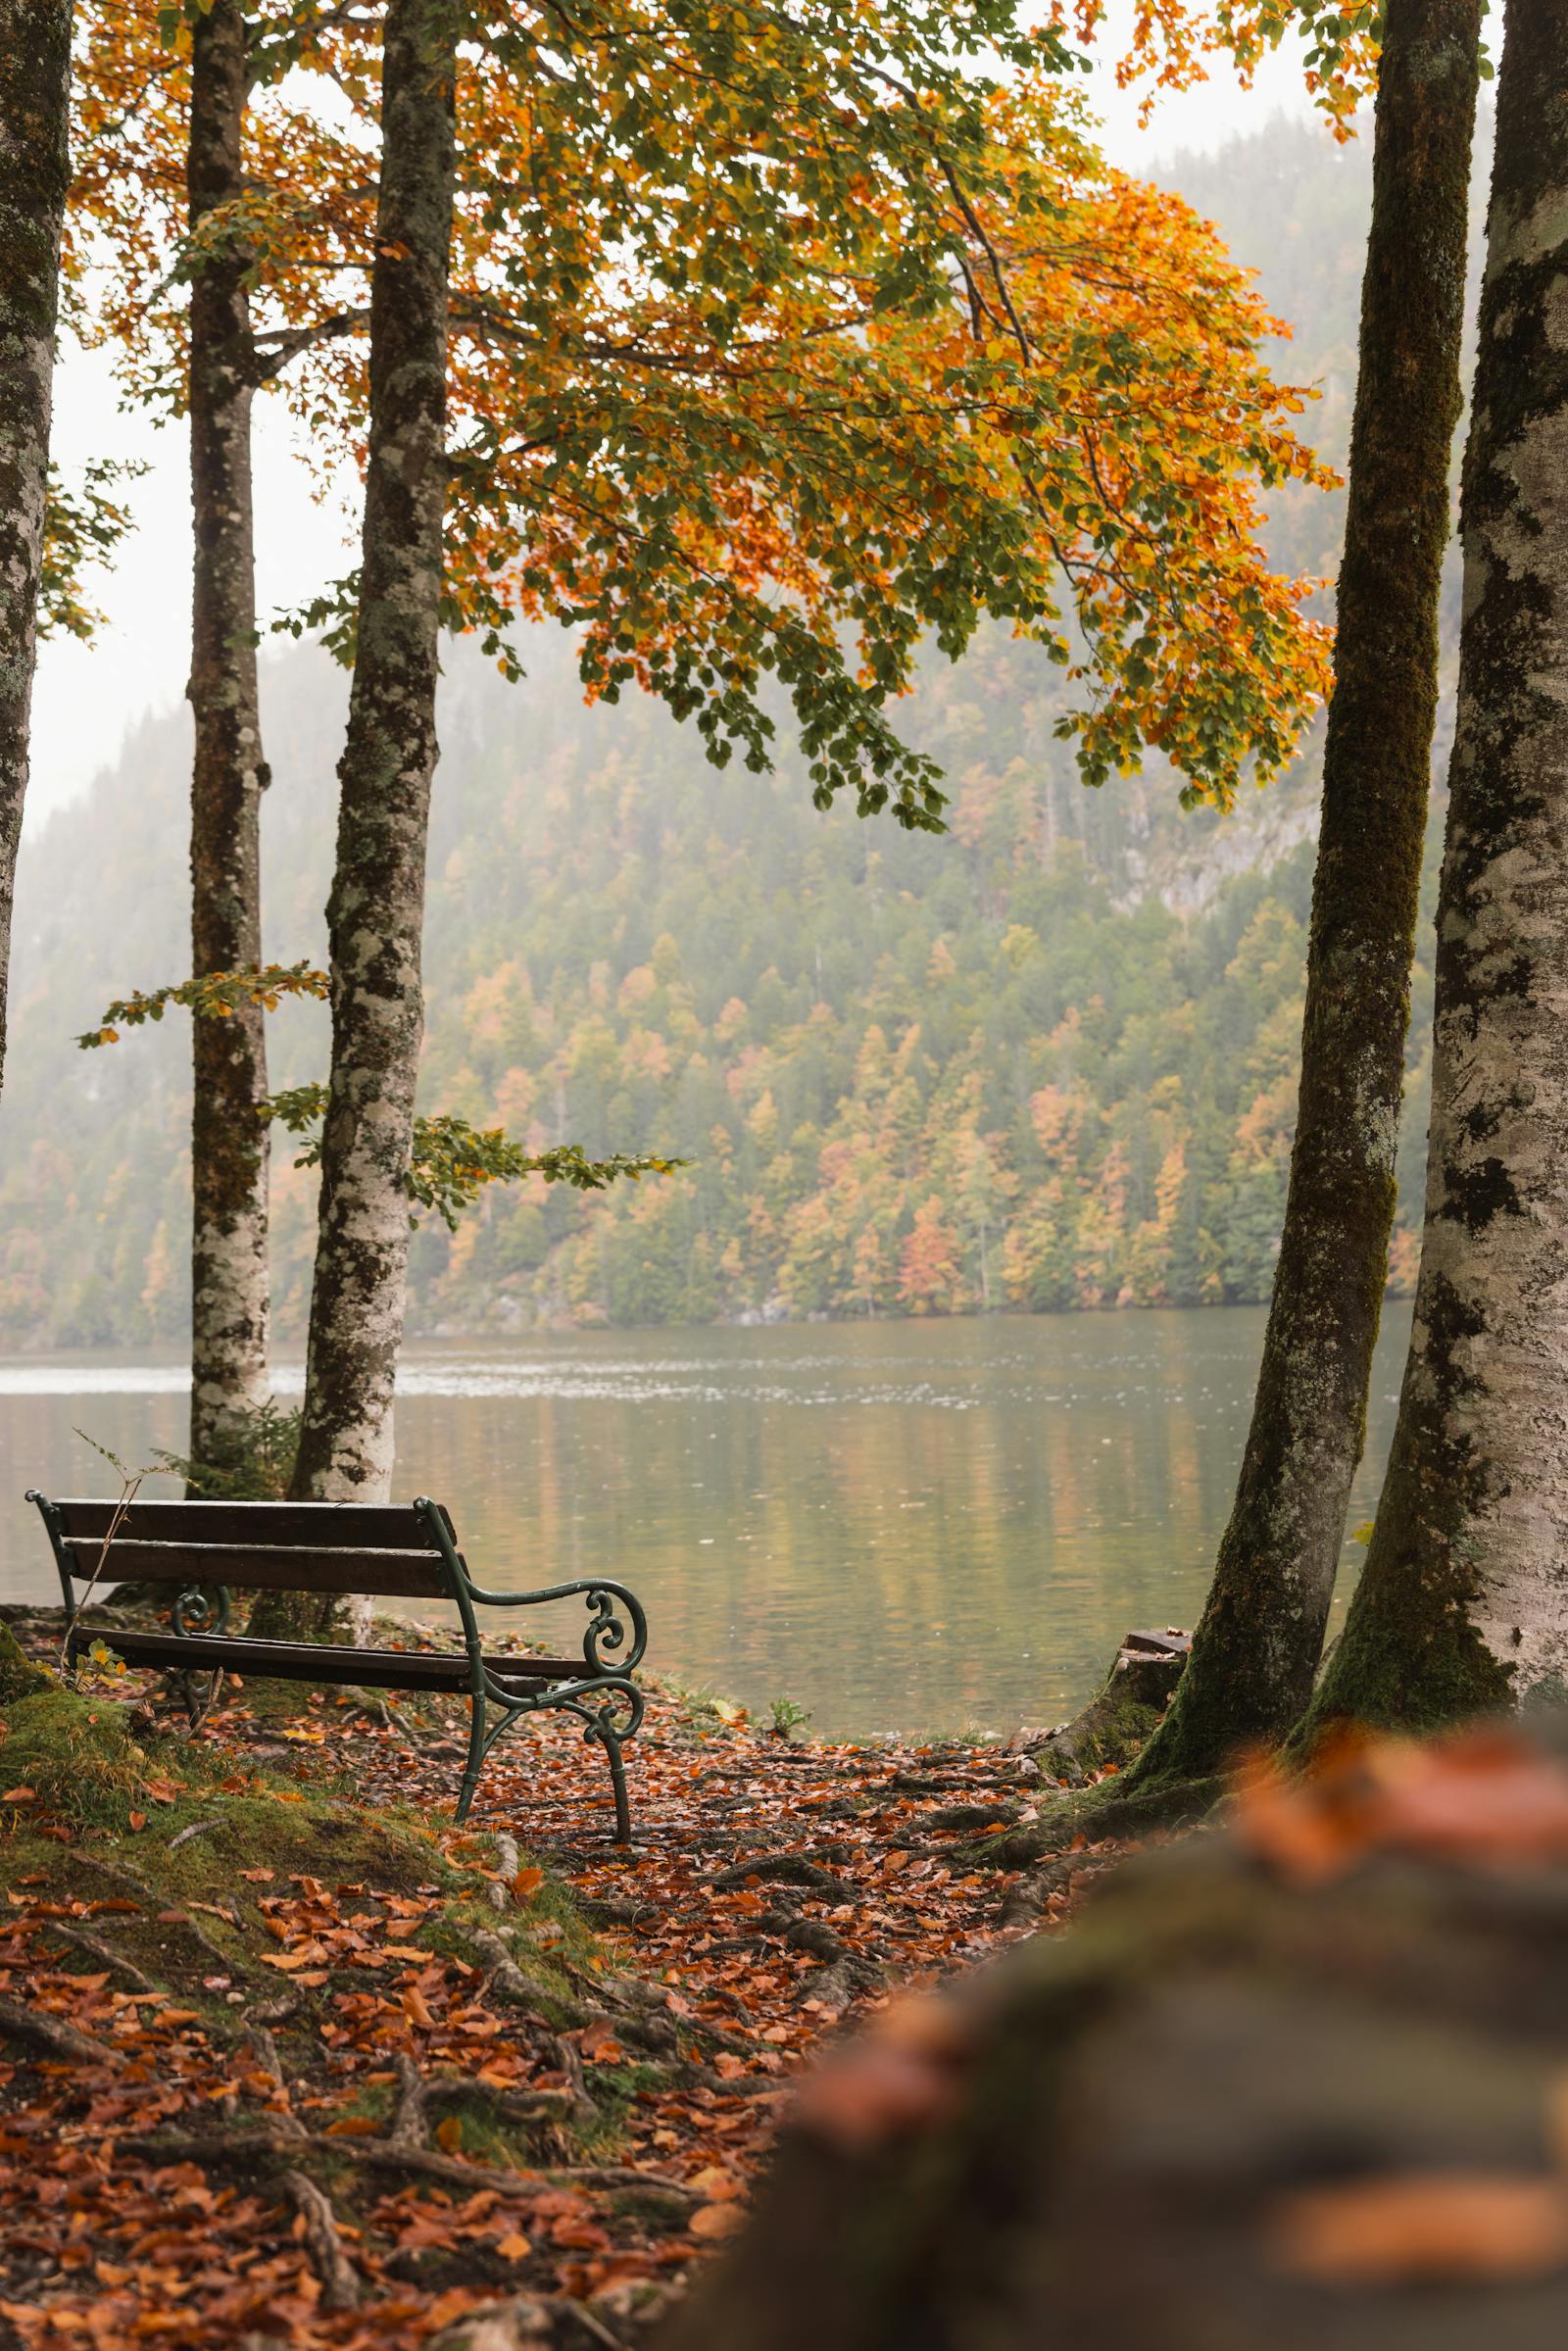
(397, 1575)
(312, 1526)
(304, 1662)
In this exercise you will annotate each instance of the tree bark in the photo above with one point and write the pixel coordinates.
(376, 908)
(35, 171)
(1463, 1601)
(1259, 1643)
(229, 1294)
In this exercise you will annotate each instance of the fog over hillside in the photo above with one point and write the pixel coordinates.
(1046, 1061)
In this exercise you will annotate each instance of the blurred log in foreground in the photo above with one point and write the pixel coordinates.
(1300, 2085)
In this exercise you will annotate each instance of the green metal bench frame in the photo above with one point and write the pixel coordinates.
(207, 1549)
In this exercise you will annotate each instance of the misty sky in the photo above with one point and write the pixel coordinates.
(87, 696)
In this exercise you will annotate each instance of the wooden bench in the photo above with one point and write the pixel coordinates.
(367, 1550)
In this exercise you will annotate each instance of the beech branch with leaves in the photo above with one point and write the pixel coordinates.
(452, 1161)
(212, 996)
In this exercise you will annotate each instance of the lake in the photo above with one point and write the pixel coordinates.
(905, 1527)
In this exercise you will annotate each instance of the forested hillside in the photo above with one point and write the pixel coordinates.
(1044, 1062)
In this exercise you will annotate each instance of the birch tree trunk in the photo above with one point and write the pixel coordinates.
(34, 170)
(1259, 1643)
(1463, 1601)
(228, 1143)
(376, 908)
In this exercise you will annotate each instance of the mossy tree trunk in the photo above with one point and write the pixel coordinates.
(1463, 1601)
(375, 912)
(20, 1678)
(1259, 1643)
(34, 168)
(229, 1293)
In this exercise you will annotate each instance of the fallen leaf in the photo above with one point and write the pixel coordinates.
(1423, 2227)
(718, 2185)
(711, 2221)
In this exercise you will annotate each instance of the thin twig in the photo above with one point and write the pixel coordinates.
(99, 1949)
(340, 2281)
(196, 1828)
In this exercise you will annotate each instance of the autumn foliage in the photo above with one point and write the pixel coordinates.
(778, 347)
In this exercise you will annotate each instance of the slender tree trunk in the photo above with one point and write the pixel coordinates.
(1257, 1645)
(34, 170)
(228, 1143)
(377, 910)
(1463, 1601)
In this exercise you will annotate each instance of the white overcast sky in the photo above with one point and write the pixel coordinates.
(87, 697)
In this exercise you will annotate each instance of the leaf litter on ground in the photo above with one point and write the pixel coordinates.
(374, 2107)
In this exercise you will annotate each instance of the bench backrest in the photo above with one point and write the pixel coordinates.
(378, 1549)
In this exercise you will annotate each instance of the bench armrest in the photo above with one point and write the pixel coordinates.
(616, 1623)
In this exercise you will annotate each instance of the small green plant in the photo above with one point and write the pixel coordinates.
(258, 1458)
(787, 1718)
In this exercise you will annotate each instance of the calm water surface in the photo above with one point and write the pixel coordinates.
(903, 1526)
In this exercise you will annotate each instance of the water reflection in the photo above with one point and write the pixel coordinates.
(903, 1526)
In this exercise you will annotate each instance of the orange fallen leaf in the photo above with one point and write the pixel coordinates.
(449, 2306)
(1424, 2226)
(716, 2185)
(138, 1820)
(416, 2007)
(258, 1877)
(449, 2134)
(710, 2221)
(351, 2125)
(527, 1881)
(20, 1795)
(515, 2246)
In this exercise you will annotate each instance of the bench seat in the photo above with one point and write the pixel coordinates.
(412, 1670)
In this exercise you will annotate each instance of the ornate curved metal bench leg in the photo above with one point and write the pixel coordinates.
(603, 1732)
(475, 1763)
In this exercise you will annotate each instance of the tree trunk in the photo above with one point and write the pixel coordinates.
(1463, 1601)
(376, 908)
(35, 171)
(228, 1143)
(1258, 1644)
(1287, 2099)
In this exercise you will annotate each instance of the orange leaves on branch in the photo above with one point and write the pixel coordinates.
(779, 349)
(1173, 42)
